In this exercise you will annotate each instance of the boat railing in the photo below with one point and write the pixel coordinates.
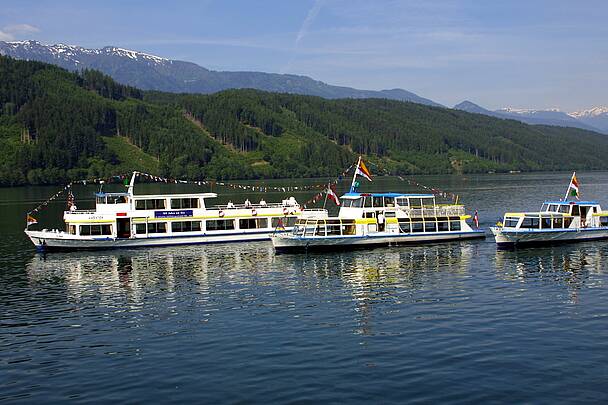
(438, 211)
(251, 206)
(313, 213)
(80, 212)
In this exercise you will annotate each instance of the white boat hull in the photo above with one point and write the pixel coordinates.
(508, 238)
(45, 240)
(287, 242)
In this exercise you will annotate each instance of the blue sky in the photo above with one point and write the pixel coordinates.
(527, 54)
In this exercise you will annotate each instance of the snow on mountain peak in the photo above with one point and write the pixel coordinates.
(526, 111)
(592, 112)
(73, 52)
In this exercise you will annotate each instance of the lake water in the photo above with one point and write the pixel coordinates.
(454, 322)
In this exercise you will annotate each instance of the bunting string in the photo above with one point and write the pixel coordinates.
(433, 190)
(319, 195)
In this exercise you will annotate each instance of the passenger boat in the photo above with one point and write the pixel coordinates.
(557, 221)
(377, 219)
(126, 220)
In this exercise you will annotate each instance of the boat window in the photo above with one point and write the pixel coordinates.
(389, 201)
(404, 227)
(220, 224)
(417, 227)
(454, 225)
(140, 228)
(604, 221)
(553, 208)
(416, 202)
(180, 203)
(390, 214)
(428, 202)
(160, 227)
(545, 223)
(575, 210)
(116, 199)
(348, 229)
(286, 222)
(567, 222)
(545, 207)
(378, 202)
(402, 202)
(358, 203)
(72, 229)
(95, 230)
(511, 222)
(430, 226)
(100, 199)
(442, 226)
(564, 209)
(185, 226)
(368, 202)
(333, 229)
(320, 231)
(370, 215)
(346, 202)
(150, 204)
(558, 223)
(531, 223)
(253, 223)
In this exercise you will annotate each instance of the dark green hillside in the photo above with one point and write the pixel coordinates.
(406, 137)
(56, 125)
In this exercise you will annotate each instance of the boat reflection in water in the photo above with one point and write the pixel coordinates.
(570, 266)
(250, 275)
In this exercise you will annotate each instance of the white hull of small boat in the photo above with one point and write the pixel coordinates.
(53, 240)
(287, 242)
(511, 238)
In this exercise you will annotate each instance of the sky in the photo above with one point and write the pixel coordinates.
(524, 54)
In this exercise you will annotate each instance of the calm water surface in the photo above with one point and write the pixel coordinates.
(455, 322)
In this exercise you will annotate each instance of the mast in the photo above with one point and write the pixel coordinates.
(352, 186)
(132, 183)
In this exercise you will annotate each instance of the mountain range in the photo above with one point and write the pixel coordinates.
(595, 119)
(149, 72)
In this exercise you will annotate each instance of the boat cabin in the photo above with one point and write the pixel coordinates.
(124, 215)
(559, 215)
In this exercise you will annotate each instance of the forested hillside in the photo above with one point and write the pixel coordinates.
(56, 125)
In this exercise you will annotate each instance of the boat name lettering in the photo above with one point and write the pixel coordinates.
(176, 213)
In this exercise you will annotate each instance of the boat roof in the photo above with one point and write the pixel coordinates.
(357, 195)
(572, 202)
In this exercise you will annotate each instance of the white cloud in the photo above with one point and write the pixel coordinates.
(5, 36)
(13, 31)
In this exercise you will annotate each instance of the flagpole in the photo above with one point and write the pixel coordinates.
(326, 195)
(569, 184)
(352, 186)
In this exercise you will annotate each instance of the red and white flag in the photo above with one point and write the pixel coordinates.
(331, 194)
(476, 219)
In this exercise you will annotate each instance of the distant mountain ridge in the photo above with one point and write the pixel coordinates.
(596, 117)
(149, 72)
(592, 121)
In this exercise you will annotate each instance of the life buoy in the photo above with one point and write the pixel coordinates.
(221, 214)
(254, 212)
(285, 211)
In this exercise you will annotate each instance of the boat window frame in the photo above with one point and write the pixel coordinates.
(217, 221)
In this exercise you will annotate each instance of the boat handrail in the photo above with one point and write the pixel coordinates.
(438, 211)
(80, 212)
(250, 206)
